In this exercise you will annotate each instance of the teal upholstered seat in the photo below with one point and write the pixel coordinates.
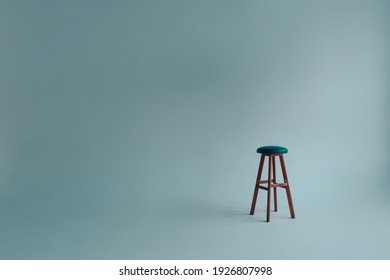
(272, 150)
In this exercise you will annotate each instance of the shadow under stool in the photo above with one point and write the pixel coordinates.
(272, 152)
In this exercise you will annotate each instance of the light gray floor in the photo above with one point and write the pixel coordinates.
(338, 222)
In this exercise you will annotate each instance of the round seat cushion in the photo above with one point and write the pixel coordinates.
(272, 150)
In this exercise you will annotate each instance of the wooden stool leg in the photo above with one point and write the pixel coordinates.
(274, 180)
(289, 198)
(269, 188)
(257, 184)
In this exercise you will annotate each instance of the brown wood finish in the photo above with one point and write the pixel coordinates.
(282, 185)
(257, 184)
(269, 188)
(272, 184)
(288, 192)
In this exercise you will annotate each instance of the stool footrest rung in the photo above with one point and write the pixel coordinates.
(281, 185)
(276, 185)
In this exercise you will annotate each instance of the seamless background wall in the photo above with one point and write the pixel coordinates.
(129, 128)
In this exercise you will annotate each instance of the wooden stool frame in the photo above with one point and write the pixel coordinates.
(272, 184)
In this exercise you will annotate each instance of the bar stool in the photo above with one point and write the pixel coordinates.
(271, 152)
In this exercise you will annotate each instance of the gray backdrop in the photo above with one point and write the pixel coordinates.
(128, 129)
